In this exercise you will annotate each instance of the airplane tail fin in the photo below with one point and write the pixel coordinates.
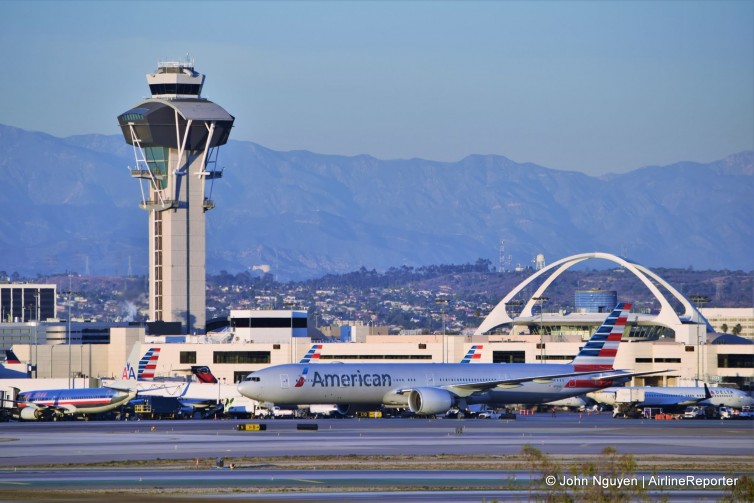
(142, 369)
(313, 354)
(475, 353)
(203, 374)
(599, 352)
(707, 394)
(10, 357)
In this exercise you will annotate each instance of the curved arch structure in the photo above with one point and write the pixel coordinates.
(666, 317)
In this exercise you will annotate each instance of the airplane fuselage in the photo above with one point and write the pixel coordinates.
(670, 396)
(82, 400)
(373, 384)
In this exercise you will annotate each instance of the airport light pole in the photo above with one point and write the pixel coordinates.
(443, 302)
(541, 301)
(68, 331)
(698, 300)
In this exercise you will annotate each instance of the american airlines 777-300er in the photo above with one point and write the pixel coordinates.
(432, 388)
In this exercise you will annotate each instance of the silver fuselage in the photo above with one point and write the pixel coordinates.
(385, 383)
(668, 396)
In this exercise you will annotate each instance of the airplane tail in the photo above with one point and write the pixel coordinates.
(475, 353)
(599, 352)
(10, 357)
(203, 374)
(142, 369)
(313, 354)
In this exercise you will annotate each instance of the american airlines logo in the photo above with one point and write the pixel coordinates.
(350, 380)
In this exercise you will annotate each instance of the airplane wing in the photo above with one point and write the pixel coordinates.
(463, 389)
(621, 374)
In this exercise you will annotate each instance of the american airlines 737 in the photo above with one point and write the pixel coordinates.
(432, 388)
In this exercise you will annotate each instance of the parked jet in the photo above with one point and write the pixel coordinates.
(623, 398)
(436, 387)
(56, 403)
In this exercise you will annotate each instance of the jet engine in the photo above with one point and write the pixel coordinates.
(30, 413)
(430, 400)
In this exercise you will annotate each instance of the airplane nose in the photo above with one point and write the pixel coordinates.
(247, 388)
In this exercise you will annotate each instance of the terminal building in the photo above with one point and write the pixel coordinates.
(250, 340)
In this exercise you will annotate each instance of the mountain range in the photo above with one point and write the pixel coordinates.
(70, 204)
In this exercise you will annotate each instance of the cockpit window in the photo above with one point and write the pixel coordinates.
(252, 379)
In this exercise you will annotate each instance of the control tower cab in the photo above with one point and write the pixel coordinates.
(175, 135)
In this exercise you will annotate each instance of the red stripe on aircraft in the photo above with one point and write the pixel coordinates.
(591, 367)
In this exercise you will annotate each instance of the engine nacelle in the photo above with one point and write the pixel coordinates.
(430, 400)
(30, 413)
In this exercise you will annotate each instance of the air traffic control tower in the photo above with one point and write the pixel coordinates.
(176, 135)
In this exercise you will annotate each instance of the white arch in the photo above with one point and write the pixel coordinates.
(667, 315)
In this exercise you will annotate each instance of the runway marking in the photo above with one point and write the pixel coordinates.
(14, 483)
(307, 480)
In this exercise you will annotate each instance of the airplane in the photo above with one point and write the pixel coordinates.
(629, 397)
(56, 403)
(314, 354)
(432, 388)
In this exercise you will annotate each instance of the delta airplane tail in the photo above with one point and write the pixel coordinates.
(142, 369)
(599, 352)
(203, 374)
(10, 357)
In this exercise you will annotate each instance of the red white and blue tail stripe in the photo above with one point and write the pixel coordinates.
(599, 353)
(144, 368)
(313, 354)
(475, 353)
(148, 364)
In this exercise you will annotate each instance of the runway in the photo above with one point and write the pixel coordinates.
(24, 444)
(349, 454)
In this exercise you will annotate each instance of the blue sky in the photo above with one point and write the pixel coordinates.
(590, 86)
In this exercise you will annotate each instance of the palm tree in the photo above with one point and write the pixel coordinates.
(724, 328)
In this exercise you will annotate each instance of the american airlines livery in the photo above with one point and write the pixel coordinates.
(56, 403)
(431, 388)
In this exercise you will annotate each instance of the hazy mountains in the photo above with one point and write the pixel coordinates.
(70, 204)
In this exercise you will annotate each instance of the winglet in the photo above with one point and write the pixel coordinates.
(707, 394)
(599, 352)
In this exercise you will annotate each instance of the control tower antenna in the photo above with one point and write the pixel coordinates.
(175, 135)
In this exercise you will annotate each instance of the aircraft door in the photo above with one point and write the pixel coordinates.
(430, 379)
(284, 383)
